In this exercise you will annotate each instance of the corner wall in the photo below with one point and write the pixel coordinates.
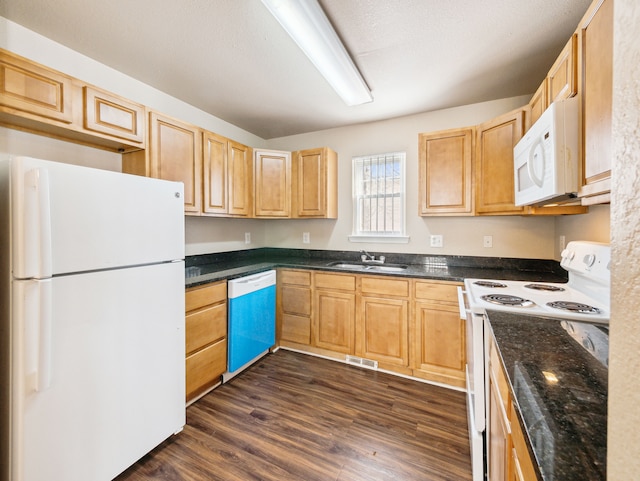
(623, 446)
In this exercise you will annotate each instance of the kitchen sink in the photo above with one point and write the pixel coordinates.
(366, 267)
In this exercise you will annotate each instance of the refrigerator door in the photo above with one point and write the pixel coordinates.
(98, 371)
(68, 219)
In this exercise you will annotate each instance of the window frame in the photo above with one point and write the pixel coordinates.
(358, 236)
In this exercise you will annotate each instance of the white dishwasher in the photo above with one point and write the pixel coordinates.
(252, 320)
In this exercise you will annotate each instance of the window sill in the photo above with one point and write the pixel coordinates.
(380, 239)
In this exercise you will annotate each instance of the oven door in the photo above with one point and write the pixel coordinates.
(474, 328)
(476, 419)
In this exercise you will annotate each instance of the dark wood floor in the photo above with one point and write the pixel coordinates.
(295, 417)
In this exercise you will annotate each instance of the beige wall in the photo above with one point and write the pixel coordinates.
(624, 395)
(513, 236)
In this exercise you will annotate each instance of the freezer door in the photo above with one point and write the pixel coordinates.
(98, 371)
(68, 219)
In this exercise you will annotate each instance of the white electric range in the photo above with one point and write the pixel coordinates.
(584, 298)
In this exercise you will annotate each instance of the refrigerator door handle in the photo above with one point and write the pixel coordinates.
(34, 312)
(34, 261)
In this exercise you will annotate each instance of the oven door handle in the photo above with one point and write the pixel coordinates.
(462, 304)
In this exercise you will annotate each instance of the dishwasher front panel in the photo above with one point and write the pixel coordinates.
(252, 326)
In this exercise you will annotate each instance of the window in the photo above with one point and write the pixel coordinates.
(379, 198)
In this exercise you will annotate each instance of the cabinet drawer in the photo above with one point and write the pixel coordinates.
(198, 297)
(296, 300)
(204, 368)
(205, 326)
(335, 281)
(384, 286)
(296, 329)
(301, 278)
(436, 291)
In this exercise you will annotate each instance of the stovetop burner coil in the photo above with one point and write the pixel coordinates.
(574, 307)
(544, 287)
(507, 300)
(493, 284)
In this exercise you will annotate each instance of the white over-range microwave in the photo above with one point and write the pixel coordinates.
(546, 158)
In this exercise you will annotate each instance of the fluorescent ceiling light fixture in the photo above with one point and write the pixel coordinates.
(309, 27)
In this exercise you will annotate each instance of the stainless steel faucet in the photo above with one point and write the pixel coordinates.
(366, 257)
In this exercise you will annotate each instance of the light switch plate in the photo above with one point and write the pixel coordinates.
(436, 240)
(247, 237)
(306, 238)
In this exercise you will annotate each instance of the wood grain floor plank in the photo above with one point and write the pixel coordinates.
(295, 417)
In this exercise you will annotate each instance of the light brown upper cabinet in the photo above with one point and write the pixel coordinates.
(538, 104)
(34, 90)
(596, 87)
(175, 153)
(227, 177)
(272, 183)
(112, 115)
(315, 183)
(562, 77)
(494, 183)
(42, 100)
(445, 172)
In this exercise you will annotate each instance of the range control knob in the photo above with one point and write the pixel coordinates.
(589, 260)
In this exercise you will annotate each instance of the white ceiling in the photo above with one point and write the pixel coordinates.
(232, 59)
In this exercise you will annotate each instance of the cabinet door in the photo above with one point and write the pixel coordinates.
(596, 59)
(440, 343)
(272, 183)
(382, 330)
(34, 89)
(334, 315)
(538, 103)
(214, 172)
(175, 154)
(562, 77)
(239, 160)
(499, 455)
(445, 181)
(494, 163)
(522, 467)
(114, 116)
(316, 183)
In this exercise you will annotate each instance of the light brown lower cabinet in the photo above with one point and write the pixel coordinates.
(408, 326)
(508, 458)
(294, 306)
(205, 337)
(438, 333)
(382, 321)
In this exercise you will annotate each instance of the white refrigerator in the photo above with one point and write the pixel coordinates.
(91, 319)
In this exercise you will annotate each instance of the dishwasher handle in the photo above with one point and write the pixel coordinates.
(248, 284)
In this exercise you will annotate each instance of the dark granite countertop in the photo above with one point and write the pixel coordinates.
(201, 269)
(566, 420)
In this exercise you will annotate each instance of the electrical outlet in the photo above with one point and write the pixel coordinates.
(487, 241)
(436, 240)
(306, 238)
(247, 237)
(562, 242)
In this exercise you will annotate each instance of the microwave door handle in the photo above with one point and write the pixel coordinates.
(532, 154)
